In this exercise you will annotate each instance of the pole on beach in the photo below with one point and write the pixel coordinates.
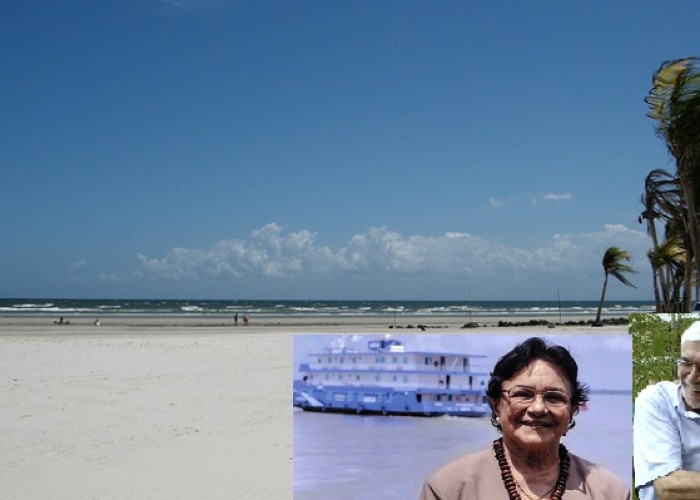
(559, 304)
(470, 303)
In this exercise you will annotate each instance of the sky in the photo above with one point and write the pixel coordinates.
(220, 149)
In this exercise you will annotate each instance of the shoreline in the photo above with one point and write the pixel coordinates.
(307, 324)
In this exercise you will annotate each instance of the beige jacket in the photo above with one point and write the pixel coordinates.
(478, 477)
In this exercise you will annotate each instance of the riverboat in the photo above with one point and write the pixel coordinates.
(387, 379)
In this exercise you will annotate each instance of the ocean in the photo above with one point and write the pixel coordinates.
(315, 308)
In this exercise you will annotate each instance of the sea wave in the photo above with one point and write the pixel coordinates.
(224, 308)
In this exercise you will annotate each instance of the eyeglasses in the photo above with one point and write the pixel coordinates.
(524, 396)
(685, 365)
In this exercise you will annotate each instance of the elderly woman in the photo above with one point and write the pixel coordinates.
(534, 395)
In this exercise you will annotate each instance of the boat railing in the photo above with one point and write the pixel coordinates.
(365, 368)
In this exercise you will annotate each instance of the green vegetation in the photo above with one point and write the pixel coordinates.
(655, 344)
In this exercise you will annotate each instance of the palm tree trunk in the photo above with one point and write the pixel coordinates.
(602, 300)
(687, 286)
(658, 273)
(689, 194)
(687, 283)
(670, 286)
(658, 284)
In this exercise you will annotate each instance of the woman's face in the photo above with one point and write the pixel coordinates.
(536, 426)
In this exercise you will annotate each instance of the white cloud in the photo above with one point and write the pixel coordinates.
(380, 255)
(79, 264)
(269, 253)
(496, 202)
(551, 198)
(557, 197)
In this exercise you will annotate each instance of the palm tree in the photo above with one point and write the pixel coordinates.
(613, 264)
(660, 200)
(668, 265)
(674, 103)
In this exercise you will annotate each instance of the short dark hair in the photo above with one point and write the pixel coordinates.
(523, 355)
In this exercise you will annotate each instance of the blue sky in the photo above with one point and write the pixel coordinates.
(333, 150)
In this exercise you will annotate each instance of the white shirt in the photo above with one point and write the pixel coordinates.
(666, 436)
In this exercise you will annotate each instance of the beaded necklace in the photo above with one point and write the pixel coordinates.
(511, 484)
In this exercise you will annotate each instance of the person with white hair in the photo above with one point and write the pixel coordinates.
(667, 430)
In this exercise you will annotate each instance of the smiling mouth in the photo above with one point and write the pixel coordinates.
(535, 424)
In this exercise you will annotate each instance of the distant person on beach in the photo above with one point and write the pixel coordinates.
(534, 394)
(246, 318)
(61, 322)
(667, 430)
(235, 319)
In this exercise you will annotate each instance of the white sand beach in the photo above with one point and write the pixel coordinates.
(159, 407)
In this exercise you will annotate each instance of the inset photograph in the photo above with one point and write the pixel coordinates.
(666, 374)
(457, 416)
